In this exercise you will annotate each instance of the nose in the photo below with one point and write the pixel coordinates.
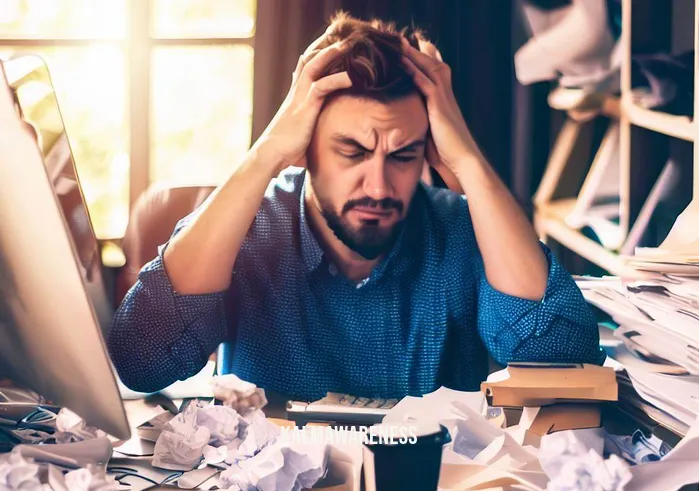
(376, 183)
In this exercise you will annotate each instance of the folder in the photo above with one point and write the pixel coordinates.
(543, 384)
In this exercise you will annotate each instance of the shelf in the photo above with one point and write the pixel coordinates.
(582, 245)
(597, 218)
(668, 124)
(550, 221)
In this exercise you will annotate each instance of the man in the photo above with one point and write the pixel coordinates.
(351, 275)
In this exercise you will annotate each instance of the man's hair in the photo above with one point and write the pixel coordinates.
(372, 58)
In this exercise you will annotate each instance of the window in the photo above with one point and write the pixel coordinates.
(151, 91)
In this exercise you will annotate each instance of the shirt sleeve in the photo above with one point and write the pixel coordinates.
(159, 336)
(561, 327)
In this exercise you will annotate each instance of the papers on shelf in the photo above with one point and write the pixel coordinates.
(658, 322)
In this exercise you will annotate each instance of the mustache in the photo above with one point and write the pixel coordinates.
(385, 204)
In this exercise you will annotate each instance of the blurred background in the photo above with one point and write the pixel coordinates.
(173, 92)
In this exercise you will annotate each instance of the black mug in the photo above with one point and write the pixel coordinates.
(403, 457)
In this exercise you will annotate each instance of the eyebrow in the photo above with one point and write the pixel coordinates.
(346, 140)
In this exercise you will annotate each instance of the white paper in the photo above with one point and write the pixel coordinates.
(17, 472)
(20, 473)
(480, 452)
(280, 466)
(678, 468)
(223, 423)
(72, 428)
(571, 465)
(180, 445)
(85, 479)
(241, 395)
(442, 404)
(573, 42)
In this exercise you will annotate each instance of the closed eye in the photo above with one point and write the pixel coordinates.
(404, 158)
(354, 156)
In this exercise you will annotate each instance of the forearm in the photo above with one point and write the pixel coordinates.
(201, 257)
(561, 329)
(512, 256)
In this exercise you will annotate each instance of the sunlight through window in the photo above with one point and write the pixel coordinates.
(200, 96)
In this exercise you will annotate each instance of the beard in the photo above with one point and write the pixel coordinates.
(369, 240)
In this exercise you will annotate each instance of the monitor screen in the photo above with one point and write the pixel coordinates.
(36, 104)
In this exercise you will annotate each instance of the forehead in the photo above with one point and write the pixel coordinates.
(359, 118)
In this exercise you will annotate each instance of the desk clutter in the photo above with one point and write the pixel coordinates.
(559, 442)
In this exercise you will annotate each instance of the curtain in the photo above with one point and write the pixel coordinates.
(283, 30)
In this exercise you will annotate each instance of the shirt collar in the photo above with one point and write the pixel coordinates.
(400, 256)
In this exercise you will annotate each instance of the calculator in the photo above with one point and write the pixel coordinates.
(340, 409)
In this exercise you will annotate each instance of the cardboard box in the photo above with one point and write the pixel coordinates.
(543, 384)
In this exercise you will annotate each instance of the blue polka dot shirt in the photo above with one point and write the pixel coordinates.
(425, 317)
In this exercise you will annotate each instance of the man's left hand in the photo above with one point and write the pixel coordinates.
(453, 143)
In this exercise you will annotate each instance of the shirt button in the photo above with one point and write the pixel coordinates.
(332, 269)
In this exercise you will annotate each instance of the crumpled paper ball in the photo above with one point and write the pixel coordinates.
(16, 473)
(571, 466)
(72, 428)
(222, 421)
(280, 466)
(236, 393)
(19, 473)
(180, 446)
(85, 479)
(255, 433)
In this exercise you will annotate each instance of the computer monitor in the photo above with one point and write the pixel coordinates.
(53, 307)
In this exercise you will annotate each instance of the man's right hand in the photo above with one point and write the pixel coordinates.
(288, 135)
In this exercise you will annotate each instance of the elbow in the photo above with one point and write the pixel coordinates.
(137, 366)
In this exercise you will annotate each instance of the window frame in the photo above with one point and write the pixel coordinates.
(137, 46)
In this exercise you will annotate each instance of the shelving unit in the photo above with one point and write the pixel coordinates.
(640, 152)
(667, 124)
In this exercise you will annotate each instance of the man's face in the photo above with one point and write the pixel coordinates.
(365, 160)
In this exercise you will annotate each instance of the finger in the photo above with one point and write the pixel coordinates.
(313, 69)
(423, 82)
(430, 66)
(326, 85)
(303, 60)
(428, 48)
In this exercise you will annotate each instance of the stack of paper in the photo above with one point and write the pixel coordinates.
(662, 261)
(658, 331)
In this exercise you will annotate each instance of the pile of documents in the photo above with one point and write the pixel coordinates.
(483, 454)
(656, 344)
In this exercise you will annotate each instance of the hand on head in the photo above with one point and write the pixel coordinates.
(287, 137)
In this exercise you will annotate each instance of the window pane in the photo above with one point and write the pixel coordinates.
(46, 19)
(202, 112)
(89, 85)
(203, 18)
